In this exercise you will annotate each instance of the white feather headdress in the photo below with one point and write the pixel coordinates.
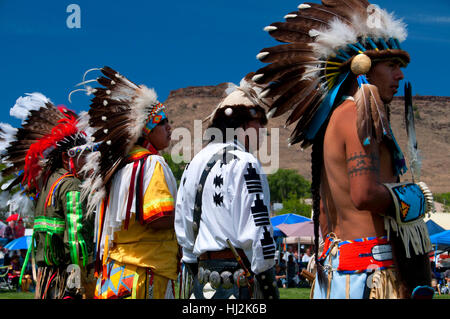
(118, 114)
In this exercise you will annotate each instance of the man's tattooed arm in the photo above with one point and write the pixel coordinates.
(361, 164)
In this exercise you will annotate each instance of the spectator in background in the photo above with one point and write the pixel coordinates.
(10, 231)
(288, 253)
(445, 289)
(15, 269)
(2, 255)
(307, 256)
(292, 272)
(19, 229)
(447, 275)
(296, 256)
(435, 278)
(280, 275)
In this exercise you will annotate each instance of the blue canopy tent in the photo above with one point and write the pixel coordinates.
(433, 228)
(20, 243)
(441, 240)
(286, 219)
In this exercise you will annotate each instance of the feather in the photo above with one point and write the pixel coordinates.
(348, 8)
(275, 70)
(118, 112)
(118, 78)
(297, 71)
(415, 161)
(118, 90)
(307, 20)
(300, 130)
(283, 83)
(379, 114)
(24, 105)
(113, 130)
(284, 52)
(16, 181)
(387, 27)
(289, 32)
(321, 12)
(293, 97)
(43, 127)
(364, 114)
(300, 109)
(337, 36)
(7, 136)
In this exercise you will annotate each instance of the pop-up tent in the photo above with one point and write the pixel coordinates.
(433, 228)
(286, 219)
(441, 240)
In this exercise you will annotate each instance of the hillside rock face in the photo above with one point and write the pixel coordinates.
(186, 105)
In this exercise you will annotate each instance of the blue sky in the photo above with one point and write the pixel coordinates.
(174, 44)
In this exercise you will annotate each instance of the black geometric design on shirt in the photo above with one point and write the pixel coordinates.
(260, 212)
(268, 245)
(184, 181)
(253, 180)
(218, 181)
(218, 199)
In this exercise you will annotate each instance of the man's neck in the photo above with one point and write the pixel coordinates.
(146, 144)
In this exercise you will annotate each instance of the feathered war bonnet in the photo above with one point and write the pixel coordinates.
(120, 113)
(325, 43)
(34, 150)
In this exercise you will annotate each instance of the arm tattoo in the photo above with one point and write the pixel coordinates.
(360, 164)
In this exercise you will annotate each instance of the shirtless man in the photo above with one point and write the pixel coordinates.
(337, 80)
(354, 199)
(355, 196)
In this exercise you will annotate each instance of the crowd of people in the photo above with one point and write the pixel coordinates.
(288, 268)
(14, 259)
(14, 229)
(440, 279)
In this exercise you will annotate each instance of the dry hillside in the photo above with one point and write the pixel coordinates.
(432, 125)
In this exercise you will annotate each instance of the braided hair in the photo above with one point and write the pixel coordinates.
(316, 172)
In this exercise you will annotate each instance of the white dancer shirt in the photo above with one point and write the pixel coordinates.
(235, 206)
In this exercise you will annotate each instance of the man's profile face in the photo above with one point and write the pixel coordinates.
(161, 135)
(386, 75)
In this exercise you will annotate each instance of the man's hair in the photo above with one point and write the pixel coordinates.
(54, 158)
(241, 115)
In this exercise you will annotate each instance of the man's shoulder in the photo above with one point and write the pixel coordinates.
(71, 183)
(346, 108)
(343, 118)
(66, 181)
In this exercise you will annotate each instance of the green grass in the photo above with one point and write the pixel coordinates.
(16, 295)
(285, 293)
(294, 293)
(442, 296)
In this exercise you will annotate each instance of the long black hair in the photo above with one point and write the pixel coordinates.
(240, 116)
(316, 173)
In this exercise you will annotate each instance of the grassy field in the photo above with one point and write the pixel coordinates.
(288, 293)
(285, 293)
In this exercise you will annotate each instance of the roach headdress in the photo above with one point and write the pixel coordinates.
(120, 113)
(34, 150)
(324, 44)
(246, 97)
